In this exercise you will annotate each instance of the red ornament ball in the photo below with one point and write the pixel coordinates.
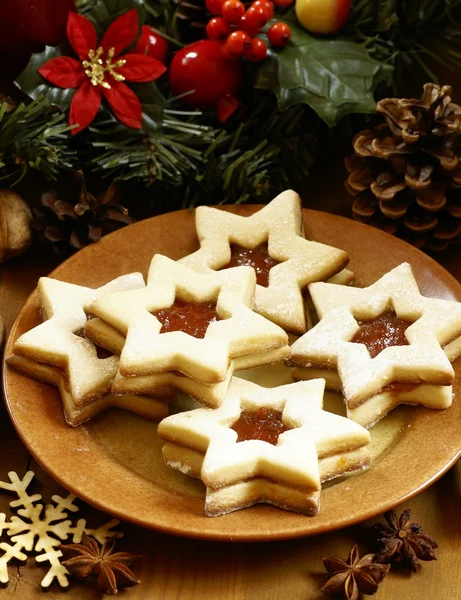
(201, 67)
(152, 44)
(283, 3)
(279, 34)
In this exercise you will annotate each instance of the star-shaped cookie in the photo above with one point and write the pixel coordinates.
(279, 224)
(209, 395)
(236, 331)
(57, 342)
(153, 407)
(56, 352)
(314, 445)
(417, 372)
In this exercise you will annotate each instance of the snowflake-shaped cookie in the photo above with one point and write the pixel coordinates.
(41, 529)
(279, 225)
(316, 446)
(238, 330)
(420, 367)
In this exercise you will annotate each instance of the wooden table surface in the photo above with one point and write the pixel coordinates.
(175, 568)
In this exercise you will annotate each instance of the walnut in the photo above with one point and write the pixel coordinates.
(15, 232)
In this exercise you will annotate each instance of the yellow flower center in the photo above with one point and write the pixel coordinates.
(96, 68)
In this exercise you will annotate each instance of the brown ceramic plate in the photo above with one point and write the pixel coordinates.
(114, 462)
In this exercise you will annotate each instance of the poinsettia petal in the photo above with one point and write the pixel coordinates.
(63, 71)
(140, 67)
(124, 104)
(121, 33)
(84, 106)
(81, 34)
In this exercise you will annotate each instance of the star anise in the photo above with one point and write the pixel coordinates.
(89, 558)
(403, 541)
(349, 578)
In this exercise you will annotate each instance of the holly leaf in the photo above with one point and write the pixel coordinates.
(104, 12)
(335, 77)
(34, 85)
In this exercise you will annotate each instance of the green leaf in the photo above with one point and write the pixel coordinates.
(335, 77)
(34, 85)
(104, 12)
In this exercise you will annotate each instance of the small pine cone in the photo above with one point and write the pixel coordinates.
(406, 173)
(69, 226)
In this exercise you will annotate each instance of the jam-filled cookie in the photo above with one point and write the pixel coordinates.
(188, 322)
(265, 445)
(57, 352)
(211, 395)
(271, 241)
(382, 345)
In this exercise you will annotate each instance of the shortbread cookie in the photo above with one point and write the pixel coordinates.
(56, 352)
(265, 445)
(188, 322)
(382, 345)
(271, 240)
(59, 341)
(208, 395)
(153, 408)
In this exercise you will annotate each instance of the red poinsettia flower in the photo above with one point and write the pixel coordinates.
(100, 71)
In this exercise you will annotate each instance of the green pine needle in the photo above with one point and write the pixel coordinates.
(413, 35)
(204, 164)
(33, 136)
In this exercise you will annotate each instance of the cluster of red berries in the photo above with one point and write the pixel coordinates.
(237, 26)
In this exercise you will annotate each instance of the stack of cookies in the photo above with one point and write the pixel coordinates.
(57, 352)
(237, 303)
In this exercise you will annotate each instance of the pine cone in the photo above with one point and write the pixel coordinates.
(406, 173)
(65, 225)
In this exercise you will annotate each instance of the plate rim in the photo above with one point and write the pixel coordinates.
(216, 536)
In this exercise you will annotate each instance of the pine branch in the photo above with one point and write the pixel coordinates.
(413, 35)
(203, 164)
(33, 136)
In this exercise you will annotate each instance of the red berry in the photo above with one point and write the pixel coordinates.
(256, 17)
(152, 44)
(245, 26)
(237, 43)
(217, 29)
(214, 6)
(232, 10)
(258, 50)
(266, 5)
(279, 34)
(283, 3)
